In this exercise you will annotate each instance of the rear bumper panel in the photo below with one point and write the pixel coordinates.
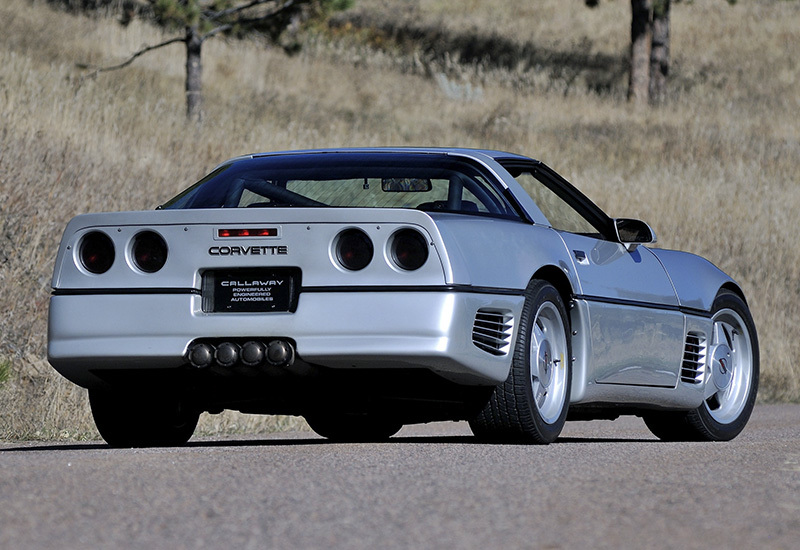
(369, 330)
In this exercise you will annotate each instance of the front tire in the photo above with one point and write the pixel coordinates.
(731, 384)
(133, 420)
(531, 405)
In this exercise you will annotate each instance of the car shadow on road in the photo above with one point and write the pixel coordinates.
(575, 439)
(317, 441)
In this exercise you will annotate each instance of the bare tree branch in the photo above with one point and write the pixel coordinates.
(232, 11)
(252, 21)
(267, 17)
(216, 30)
(133, 57)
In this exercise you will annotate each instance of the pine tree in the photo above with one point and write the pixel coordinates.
(195, 21)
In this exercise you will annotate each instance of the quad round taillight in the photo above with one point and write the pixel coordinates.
(96, 252)
(409, 249)
(149, 251)
(354, 249)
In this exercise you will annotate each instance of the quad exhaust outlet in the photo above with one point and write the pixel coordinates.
(253, 353)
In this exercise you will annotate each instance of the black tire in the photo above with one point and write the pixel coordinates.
(671, 426)
(725, 411)
(353, 428)
(512, 413)
(129, 420)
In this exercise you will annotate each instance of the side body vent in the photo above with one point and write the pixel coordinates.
(694, 358)
(492, 331)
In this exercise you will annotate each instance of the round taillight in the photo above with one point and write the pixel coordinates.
(354, 249)
(149, 251)
(96, 252)
(409, 249)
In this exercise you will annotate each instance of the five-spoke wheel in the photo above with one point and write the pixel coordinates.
(548, 371)
(731, 381)
(731, 367)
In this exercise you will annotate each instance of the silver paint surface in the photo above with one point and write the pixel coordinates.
(631, 310)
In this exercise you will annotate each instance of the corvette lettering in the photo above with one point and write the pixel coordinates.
(280, 250)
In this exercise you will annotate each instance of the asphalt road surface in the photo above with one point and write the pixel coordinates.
(601, 485)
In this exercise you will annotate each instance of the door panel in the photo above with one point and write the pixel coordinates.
(611, 272)
(635, 346)
(636, 328)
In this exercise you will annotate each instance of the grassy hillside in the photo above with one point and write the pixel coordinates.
(716, 171)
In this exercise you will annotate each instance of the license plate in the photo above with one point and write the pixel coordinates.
(250, 290)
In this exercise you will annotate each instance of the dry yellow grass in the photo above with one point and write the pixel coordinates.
(716, 171)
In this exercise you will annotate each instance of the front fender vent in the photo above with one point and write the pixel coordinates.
(694, 358)
(492, 331)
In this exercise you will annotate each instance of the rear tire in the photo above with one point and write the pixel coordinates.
(137, 420)
(353, 428)
(531, 405)
(731, 384)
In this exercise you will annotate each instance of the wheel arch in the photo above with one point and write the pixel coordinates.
(556, 277)
(734, 288)
(578, 323)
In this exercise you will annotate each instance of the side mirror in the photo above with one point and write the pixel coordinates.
(632, 233)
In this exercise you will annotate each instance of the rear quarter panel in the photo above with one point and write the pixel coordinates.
(497, 253)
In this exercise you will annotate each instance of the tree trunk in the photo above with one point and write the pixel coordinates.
(194, 75)
(641, 36)
(659, 54)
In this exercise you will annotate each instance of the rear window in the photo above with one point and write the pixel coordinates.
(432, 182)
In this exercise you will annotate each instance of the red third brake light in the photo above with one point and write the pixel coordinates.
(249, 232)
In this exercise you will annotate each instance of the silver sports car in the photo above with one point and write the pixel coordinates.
(365, 289)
